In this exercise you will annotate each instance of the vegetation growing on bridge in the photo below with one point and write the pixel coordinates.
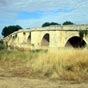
(83, 33)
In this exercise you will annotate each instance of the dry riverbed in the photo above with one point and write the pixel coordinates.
(16, 82)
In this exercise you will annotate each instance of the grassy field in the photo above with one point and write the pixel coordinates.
(63, 64)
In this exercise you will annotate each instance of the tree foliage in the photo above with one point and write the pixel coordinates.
(48, 24)
(10, 29)
(68, 23)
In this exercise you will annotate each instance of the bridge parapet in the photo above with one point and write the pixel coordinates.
(62, 27)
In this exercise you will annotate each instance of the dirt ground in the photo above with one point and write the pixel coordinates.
(16, 82)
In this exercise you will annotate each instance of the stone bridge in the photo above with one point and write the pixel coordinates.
(47, 37)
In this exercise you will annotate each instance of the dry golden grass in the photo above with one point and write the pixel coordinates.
(64, 64)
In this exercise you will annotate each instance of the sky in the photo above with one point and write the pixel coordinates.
(33, 13)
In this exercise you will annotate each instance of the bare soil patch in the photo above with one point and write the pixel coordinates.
(17, 82)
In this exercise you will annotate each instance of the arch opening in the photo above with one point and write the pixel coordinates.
(29, 38)
(76, 42)
(45, 40)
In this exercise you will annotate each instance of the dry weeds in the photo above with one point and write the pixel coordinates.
(63, 64)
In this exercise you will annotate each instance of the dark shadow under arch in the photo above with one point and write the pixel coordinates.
(45, 40)
(29, 38)
(76, 42)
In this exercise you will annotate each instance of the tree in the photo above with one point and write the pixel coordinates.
(68, 23)
(10, 29)
(48, 24)
(53, 23)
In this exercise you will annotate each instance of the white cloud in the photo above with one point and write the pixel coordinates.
(53, 10)
(40, 5)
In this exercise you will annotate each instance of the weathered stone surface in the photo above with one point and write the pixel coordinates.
(58, 37)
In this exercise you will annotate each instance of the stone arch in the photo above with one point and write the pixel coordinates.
(45, 40)
(24, 33)
(75, 42)
(29, 38)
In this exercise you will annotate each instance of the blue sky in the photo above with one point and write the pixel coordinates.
(33, 13)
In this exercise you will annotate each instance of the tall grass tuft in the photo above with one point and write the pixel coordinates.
(63, 64)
